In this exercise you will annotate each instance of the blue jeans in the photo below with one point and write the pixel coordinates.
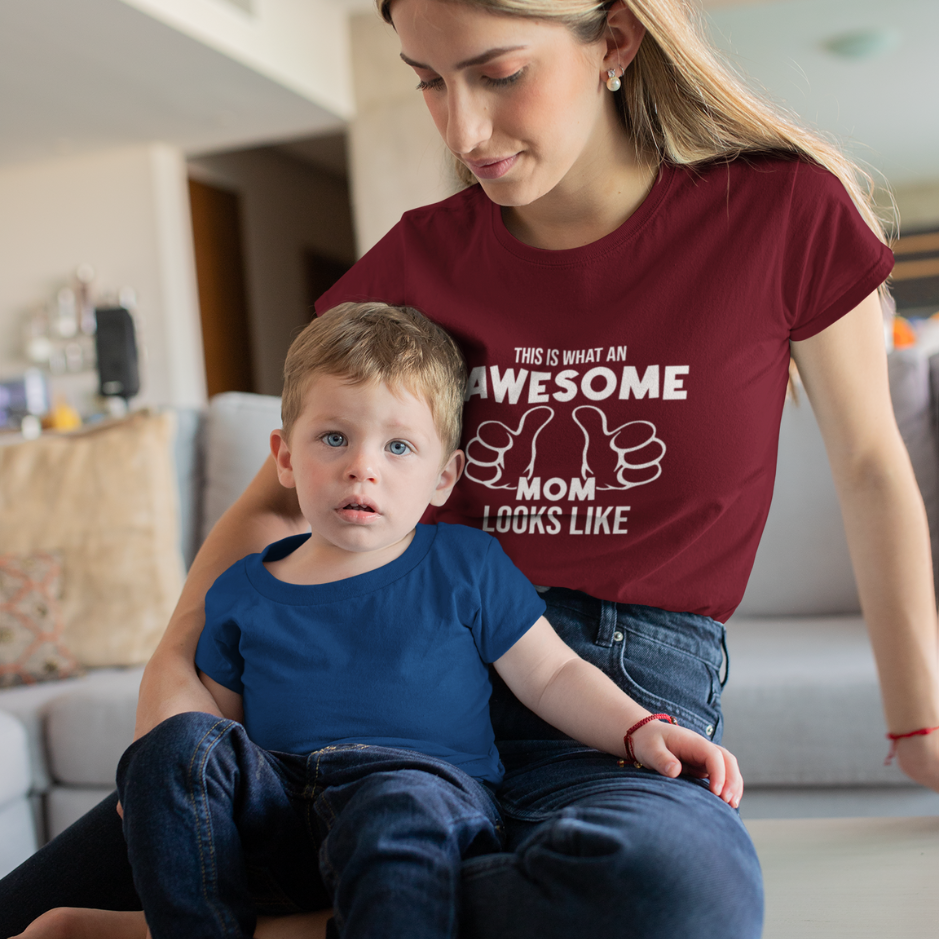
(593, 849)
(598, 850)
(218, 829)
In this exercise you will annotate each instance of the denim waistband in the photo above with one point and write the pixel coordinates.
(666, 661)
(691, 632)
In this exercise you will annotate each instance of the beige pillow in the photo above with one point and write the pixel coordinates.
(106, 500)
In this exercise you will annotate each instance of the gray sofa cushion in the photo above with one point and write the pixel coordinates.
(802, 706)
(15, 778)
(30, 705)
(188, 456)
(67, 804)
(89, 728)
(237, 433)
(17, 834)
(802, 567)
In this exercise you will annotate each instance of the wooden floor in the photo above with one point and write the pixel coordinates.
(850, 878)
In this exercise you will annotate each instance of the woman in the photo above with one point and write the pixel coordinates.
(642, 245)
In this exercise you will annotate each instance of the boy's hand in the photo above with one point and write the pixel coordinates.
(672, 750)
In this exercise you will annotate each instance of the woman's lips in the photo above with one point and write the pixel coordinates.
(492, 169)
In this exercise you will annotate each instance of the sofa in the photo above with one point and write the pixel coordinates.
(801, 709)
(60, 740)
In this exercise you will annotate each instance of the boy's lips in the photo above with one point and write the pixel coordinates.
(357, 510)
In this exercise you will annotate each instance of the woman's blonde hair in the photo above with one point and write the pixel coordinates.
(681, 101)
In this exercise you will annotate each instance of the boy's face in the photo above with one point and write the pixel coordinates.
(366, 461)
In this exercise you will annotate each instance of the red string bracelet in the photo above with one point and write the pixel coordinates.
(627, 740)
(893, 738)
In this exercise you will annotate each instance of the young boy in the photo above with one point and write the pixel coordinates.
(356, 763)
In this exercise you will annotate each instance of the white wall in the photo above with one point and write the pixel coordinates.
(918, 206)
(125, 212)
(286, 206)
(301, 44)
(396, 157)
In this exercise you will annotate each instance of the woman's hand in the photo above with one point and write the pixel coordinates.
(672, 750)
(919, 759)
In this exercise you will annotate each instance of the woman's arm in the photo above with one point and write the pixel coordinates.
(844, 370)
(264, 513)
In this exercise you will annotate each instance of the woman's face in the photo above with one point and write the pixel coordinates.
(521, 102)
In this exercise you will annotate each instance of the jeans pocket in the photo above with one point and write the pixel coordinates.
(667, 662)
(672, 681)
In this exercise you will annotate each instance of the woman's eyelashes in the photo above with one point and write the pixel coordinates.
(436, 84)
(502, 82)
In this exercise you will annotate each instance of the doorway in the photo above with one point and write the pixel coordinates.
(223, 301)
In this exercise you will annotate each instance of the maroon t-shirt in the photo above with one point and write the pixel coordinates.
(624, 401)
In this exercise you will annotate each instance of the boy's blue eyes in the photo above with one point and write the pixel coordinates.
(335, 439)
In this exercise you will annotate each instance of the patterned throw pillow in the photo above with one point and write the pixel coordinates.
(31, 646)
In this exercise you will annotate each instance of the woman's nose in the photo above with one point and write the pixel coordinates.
(469, 124)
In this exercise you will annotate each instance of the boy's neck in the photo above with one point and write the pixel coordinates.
(319, 562)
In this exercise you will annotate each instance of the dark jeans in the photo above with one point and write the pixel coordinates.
(218, 829)
(593, 849)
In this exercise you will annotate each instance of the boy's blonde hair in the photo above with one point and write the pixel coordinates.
(376, 342)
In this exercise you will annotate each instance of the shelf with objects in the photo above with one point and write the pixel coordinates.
(79, 362)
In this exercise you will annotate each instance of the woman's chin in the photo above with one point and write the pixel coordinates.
(510, 193)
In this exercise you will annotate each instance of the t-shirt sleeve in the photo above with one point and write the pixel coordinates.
(380, 274)
(509, 605)
(832, 259)
(217, 653)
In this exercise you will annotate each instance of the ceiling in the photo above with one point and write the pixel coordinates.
(884, 109)
(87, 74)
(82, 75)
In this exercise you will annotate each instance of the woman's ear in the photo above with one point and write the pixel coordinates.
(281, 453)
(450, 473)
(624, 34)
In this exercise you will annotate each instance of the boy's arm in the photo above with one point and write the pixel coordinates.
(549, 678)
(229, 702)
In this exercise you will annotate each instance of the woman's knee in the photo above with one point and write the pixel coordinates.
(693, 859)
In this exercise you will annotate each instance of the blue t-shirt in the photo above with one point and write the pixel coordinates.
(396, 657)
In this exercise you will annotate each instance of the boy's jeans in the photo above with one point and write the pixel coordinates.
(218, 829)
(592, 849)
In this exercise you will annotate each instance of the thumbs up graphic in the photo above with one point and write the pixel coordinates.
(498, 456)
(628, 456)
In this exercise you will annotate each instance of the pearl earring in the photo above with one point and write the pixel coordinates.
(612, 82)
